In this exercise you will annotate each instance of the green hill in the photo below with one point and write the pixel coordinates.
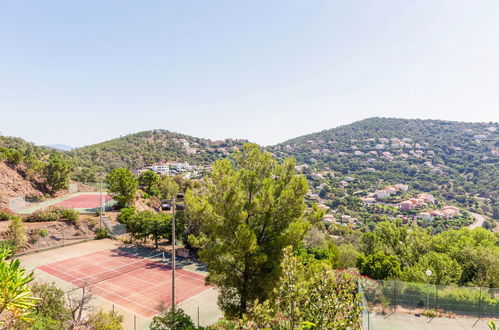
(149, 147)
(455, 160)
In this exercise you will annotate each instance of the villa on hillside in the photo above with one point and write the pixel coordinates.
(421, 200)
(390, 190)
(445, 212)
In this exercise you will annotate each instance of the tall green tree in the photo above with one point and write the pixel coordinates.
(253, 209)
(150, 181)
(168, 188)
(57, 173)
(157, 226)
(311, 296)
(123, 185)
(379, 266)
(445, 270)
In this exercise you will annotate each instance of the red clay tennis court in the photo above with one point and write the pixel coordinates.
(85, 201)
(138, 284)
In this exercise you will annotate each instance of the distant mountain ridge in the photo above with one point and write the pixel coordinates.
(61, 147)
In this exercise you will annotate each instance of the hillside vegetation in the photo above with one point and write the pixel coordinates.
(454, 160)
(149, 147)
(31, 171)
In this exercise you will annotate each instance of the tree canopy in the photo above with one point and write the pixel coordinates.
(251, 211)
(123, 185)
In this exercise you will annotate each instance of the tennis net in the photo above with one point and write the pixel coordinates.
(150, 261)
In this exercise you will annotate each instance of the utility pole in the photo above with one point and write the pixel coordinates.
(173, 255)
(100, 199)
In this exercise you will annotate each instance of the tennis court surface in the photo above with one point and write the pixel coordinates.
(133, 282)
(90, 201)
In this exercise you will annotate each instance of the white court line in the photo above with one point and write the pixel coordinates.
(136, 303)
(95, 285)
(151, 286)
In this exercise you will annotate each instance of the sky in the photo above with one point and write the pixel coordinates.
(81, 72)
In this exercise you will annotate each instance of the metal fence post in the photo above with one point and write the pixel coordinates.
(480, 309)
(134, 322)
(395, 296)
(436, 299)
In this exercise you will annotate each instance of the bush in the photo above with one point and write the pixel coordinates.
(172, 319)
(69, 214)
(5, 214)
(429, 313)
(42, 216)
(106, 321)
(7, 244)
(17, 234)
(51, 304)
(53, 214)
(43, 233)
(102, 233)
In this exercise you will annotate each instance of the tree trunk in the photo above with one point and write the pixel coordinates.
(244, 291)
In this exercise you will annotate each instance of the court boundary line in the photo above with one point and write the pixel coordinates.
(150, 285)
(99, 297)
(114, 269)
(120, 296)
(78, 288)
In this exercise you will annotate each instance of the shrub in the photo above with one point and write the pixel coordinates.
(17, 234)
(69, 214)
(126, 214)
(5, 214)
(429, 313)
(36, 197)
(102, 233)
(53, 214)
(106, 321)
(43, 233)
(42, 216)
(172, 319)
(7, 244)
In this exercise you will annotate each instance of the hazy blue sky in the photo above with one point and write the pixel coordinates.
(79, 72)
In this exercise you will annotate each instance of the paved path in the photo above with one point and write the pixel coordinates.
(115, 228)
(410, 321)
(479, 219)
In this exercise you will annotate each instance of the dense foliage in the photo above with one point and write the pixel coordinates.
(149, 147)
(455, 257)
(123, 185)
(16, 300)
(453, 160)
(251, 211)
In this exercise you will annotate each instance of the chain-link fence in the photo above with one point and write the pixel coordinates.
(434, 300)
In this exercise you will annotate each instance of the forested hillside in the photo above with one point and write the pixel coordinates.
(31, 171)
(456, 161)
(149, 147)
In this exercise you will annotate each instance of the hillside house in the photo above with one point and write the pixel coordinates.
(427, 198)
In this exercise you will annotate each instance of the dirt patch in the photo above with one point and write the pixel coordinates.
(42, 235)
